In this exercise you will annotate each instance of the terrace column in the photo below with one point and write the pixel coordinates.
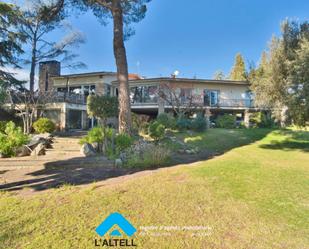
(84, 120)
(63, 116)
(247, 118)
(160, 106)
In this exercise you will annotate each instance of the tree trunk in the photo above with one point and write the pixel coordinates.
(33, 64)
(125, 120)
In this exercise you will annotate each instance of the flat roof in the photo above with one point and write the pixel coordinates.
(133, 76)
(102, 73)
(188, 80)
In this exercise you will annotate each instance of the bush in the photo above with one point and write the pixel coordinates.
(260, 120)
(156, 130)
(122, 142)
(96, 135)
(43, 125)
(11, 139)
(199, 123)
(2, 126)
(183, 123)
(226, 121)
(151, 156)
(167, 120)
(140, 123)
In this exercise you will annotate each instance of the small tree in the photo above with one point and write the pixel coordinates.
(181, 105)
(27, 104)
(102, 107)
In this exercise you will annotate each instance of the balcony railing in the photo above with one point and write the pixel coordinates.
(235, 103)
(220, 103)
(68, 98)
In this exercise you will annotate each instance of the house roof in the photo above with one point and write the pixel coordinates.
(101, 73)
(187, 80)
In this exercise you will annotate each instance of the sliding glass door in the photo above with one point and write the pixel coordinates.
(211, 97)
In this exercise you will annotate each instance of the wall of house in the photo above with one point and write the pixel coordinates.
(226, 91)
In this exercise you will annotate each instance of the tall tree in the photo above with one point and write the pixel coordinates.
(123, 13)
(10, 46)
(280, 81)
(299, 85)
(238, 71)
(38, 21)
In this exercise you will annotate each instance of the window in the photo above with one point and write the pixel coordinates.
(211, 97)
(107, 90)
(75, 89)
(185, 94)
(144, 94)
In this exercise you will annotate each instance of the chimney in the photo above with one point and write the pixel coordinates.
(47, 69)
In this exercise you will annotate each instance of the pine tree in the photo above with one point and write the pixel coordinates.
(10, 46)
(123, 13)
(238, 71)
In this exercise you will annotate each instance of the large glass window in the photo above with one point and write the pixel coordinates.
(185, 95)
(144, 94)
(211, 97)
(75, 89)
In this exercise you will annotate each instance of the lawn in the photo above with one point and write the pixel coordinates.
(256, 195)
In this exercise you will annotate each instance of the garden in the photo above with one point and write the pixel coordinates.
(15, 143)
(165, 140)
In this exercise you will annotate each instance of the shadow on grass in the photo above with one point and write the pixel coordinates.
(81, 170)
(75, 171)
(296, 140)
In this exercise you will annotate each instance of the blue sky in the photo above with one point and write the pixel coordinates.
(195, 37)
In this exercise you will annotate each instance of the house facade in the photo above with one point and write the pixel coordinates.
(68, 107)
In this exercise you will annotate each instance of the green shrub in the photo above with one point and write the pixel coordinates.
(122, 142)
(226, 121)
(140, 123)
(183, 123)
(261, 120)
(95, 135)
(43, 125)
(167, 120)
(11, 139)
(151, 156)
(199, 123)
(101, 136)
(156, 130)
(2, 126)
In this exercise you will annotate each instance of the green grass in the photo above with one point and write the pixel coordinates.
(253, 196)
(222, 140)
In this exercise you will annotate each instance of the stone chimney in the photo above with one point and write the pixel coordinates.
(47, 69)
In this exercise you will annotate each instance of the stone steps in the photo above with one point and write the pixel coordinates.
(65, 153)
